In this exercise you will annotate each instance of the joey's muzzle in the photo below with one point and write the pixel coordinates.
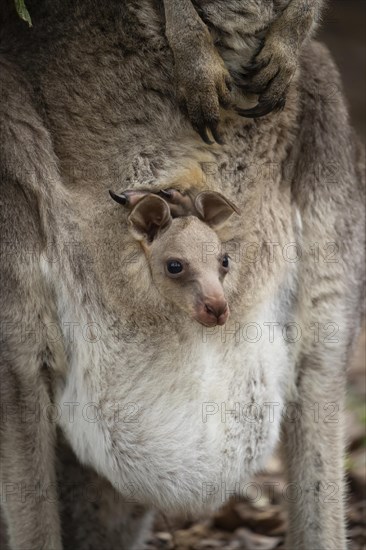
(212, 312)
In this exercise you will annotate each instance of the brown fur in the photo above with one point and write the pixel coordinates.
(91, 107)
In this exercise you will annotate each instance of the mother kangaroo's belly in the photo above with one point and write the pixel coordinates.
(182, 429)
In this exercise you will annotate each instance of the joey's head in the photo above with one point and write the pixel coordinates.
(179, 250)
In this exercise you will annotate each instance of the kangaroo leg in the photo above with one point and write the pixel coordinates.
(313, 446)
(28, 479)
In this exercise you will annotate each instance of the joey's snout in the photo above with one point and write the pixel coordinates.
(212, 311)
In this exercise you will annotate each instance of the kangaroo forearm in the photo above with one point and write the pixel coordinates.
(297, 21)
(182, 22)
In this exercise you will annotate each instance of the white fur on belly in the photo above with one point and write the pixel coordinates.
(163, 433)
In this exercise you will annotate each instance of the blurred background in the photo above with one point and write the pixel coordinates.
(260, 524)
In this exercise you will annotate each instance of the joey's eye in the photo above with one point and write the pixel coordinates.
(174, 267)
(225, 262)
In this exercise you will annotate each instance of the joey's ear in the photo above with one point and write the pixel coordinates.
(150, 216)
(214, 208)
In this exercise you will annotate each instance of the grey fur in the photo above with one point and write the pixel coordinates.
(91, 106)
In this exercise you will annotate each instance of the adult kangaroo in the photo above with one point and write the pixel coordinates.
(104, 385)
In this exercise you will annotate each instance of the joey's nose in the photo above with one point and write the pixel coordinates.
(217, 309)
